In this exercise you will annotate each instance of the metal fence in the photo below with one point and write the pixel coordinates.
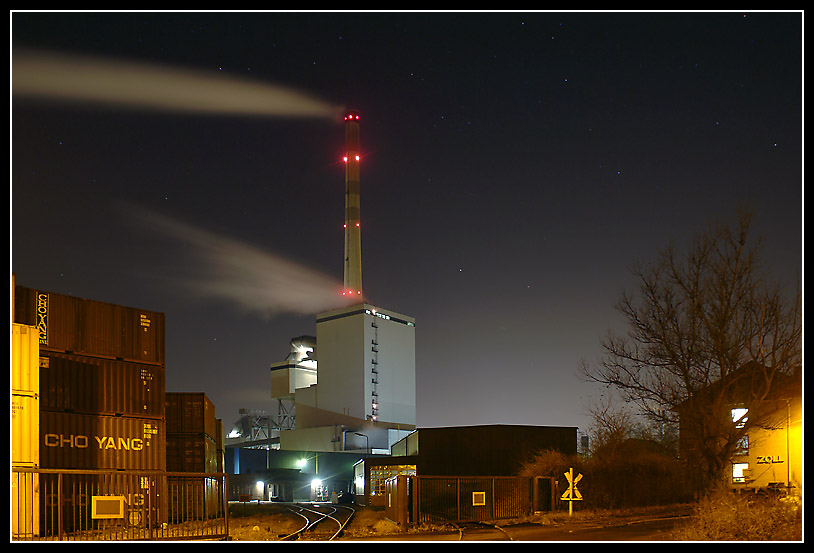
(61, 504)
(443, 499)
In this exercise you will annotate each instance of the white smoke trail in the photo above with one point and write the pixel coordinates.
(129, 84)
(250, 279)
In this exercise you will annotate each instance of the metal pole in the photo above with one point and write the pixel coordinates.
(59, 506)
(458, 494)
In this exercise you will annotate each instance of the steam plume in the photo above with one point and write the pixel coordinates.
(128, 84)
(250, 279)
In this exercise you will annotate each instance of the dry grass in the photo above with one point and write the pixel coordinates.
(725, 516)
(264, 522)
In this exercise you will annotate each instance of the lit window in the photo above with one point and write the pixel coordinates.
(739, 472)
(739, 417)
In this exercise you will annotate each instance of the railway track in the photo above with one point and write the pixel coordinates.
(321, 522)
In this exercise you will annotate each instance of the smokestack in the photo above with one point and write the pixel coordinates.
(353, 232)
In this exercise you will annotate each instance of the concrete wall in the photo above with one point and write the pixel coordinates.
(349, 341)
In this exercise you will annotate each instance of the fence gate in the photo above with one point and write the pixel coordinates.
(62, 504)
(444, 499)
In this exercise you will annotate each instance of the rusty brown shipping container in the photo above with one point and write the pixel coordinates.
(77, 441)
(188, 453)
(100, 386)
(220, 460)
(143, 496)
(189, 413)
(82, 326)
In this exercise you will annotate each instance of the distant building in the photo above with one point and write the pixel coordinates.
(769, 450)
(488, 450)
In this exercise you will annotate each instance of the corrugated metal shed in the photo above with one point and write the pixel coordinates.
(490, 450)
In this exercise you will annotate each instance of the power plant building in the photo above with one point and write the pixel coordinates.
(349, 391)
(357, 376)
(368, 364)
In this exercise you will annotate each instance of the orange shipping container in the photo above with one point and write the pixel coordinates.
(25, 355)
(25, 396)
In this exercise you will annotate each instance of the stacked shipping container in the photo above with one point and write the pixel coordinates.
(101, 379)
(25, 415)
(101, 390)
(191, 432)
(193, 446)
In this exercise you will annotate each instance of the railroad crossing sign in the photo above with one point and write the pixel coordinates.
(572, 493)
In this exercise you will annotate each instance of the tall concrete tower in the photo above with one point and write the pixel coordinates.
(353, 231)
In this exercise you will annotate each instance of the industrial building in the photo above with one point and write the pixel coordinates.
(347, 402)
(348, 391)
(484, 450)
(89, 384)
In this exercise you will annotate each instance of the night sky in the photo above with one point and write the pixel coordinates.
(514, 167)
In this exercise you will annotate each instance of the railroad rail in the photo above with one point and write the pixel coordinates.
(321, 522)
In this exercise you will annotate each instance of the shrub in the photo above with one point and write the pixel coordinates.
(549, 462)
(636, 473)
(727, 516)
(633, 473)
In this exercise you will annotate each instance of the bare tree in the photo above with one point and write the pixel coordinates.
(611, 423)
(706, 333)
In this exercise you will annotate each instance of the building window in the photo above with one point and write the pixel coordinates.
(742, 447)
(739, 472)
(739, 417)
(378, 474)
